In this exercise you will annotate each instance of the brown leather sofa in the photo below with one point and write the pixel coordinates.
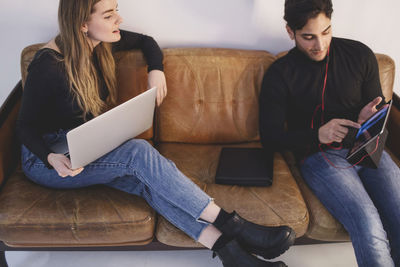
(212, 102)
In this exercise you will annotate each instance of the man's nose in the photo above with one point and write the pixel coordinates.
(319, 44)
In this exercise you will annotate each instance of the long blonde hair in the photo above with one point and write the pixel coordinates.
(78, 58)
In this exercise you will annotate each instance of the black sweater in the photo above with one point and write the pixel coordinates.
(292, 89)
(47, 104)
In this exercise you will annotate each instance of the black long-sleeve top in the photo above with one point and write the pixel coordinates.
(47, 103)
(292, 89)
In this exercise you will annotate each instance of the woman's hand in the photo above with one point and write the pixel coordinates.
(157, 78)
(62, 165)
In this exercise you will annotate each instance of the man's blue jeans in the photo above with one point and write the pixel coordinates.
(137, 168)
(366, 201)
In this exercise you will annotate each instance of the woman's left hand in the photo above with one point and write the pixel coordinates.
(157, 78)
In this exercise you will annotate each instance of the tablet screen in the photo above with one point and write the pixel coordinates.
(371, 128)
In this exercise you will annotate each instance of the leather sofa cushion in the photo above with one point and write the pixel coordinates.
(322, 226)
(27, 55)
(32, 215)
(279, 204)
(386, 74)
(131, 69)
(212, 95)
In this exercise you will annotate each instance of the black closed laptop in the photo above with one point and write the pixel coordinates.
(244, 166)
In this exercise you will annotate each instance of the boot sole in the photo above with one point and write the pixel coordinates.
(273, 253)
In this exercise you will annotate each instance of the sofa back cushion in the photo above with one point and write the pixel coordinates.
(212, 95)
(131, 68)
(386, 74)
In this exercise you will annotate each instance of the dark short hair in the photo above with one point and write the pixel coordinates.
(298, 12)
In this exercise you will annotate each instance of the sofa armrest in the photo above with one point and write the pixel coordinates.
(393, 141)
(9, 151)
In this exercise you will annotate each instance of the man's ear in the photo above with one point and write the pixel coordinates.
(290, 32)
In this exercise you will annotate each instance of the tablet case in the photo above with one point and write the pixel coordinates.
(244, 166)
(371, 153)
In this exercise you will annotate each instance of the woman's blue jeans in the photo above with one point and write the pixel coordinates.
(137, 168)
(365, 200)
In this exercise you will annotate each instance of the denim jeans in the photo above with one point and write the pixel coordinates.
(137, 168)
(365, 200)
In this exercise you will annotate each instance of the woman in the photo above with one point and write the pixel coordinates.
(70, 81)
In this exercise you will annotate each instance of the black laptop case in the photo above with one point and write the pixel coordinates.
(244, 166)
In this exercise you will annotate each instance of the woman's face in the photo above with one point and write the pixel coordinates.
(103, 23)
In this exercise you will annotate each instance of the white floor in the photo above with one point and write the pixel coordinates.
(328, 255)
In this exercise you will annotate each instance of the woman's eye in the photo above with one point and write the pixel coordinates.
(108, 17)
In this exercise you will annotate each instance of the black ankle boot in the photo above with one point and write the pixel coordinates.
(268, 242)
(232, 255)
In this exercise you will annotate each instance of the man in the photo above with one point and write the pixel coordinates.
(323, 87)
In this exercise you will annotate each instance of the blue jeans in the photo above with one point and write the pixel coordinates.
(366, 201)
(137, 168)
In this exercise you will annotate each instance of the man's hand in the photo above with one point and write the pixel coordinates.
(62, 165)
(335, 130)
(157, 78)
(369, 110)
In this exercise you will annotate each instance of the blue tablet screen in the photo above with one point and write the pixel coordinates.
(375, 119)
(370, 128)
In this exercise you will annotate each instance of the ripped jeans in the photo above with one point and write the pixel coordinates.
(137, 168)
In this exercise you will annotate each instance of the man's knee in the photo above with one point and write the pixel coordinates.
(366, 225)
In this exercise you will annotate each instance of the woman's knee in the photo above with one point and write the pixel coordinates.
(139, 144)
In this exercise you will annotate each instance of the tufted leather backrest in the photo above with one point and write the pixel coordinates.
(212, 92)
(386, 74)
(212, 95)
(27, 55)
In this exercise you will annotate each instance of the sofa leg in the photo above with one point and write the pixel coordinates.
(3, 262)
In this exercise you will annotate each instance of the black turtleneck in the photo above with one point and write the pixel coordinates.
(47, 103)
(292, 89)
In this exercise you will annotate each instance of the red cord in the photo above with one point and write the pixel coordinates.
(323, 96)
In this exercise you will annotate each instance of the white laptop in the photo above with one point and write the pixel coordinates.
(97, 137)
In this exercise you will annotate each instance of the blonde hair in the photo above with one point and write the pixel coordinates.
(79, 55)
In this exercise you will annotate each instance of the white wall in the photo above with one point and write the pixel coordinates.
(247, 24)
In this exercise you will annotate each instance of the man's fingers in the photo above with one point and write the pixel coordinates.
(340, 135)
(376, 101)
(350, 123)
(342, 130)
(335, 138)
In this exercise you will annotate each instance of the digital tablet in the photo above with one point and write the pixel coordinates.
(370, 129)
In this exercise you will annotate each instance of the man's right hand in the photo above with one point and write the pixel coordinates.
(335, 130)
(62, 165)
